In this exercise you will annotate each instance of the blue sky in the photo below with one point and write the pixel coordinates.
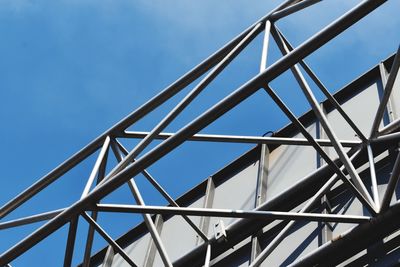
(71, 69)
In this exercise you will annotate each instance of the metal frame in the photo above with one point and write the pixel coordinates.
(131, 163)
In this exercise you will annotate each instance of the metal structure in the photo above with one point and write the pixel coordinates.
(344, 169)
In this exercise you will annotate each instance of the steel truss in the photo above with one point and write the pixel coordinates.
(100, 184)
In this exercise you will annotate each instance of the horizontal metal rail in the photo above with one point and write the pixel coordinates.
(276, 215)
(245, 139)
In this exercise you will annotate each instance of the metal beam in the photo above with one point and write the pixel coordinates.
(245, 139)
(69, 249)
(30, 219)
(292, 9)
(276, 215)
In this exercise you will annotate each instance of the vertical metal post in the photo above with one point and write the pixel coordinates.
(69, 249)
(108, 259)
(152, 249)
(264, 54)
(374, 183)
(208, 256)
(260, 196)
(208, 202)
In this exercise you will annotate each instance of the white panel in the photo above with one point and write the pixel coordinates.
(178, 236)
(298, 243)
(238, 192)
(395, 99)
(361, 109)
(289, 164)
(136, 251)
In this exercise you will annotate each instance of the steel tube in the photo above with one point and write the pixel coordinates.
(206, 118)
(30, 219)
(276, 215)
(292, 9)
(373, 176)
(264, 53)
(391, 186)
(96, 167)
(108, 239)
(394, 125)
(245, 139)
(69, 248)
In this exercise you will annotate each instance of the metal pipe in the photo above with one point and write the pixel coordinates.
(206, 118)
(208, 256)
(245, 139)
(321, 86)
(30, 219)
(264, 53)
(96, 167)
(276, 215)
(292, 9)
(386, 94)
(391, 186)
(69, 248)
(89, 241)
(394, 125)
(373, 176)
(108, 239)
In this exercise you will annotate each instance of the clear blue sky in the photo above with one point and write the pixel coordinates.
(71, 69)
